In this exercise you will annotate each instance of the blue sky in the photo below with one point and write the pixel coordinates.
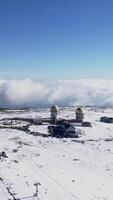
(62, 39)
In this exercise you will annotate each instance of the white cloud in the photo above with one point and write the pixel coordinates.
(28, 93)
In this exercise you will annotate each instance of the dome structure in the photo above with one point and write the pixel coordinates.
(54, 108)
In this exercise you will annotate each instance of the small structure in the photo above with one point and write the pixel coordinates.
(54, 111)
(62, 129)
(106, 119)
(79, 115)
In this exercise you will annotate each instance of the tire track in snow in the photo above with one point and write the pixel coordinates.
(3, 192)
(53, 185)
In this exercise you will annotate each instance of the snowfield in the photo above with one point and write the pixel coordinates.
(67, 168)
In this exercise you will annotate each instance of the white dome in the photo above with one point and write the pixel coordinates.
(79, 111)
(54, 108)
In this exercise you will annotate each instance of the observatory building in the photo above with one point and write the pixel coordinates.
(54, 111)
(79, 115)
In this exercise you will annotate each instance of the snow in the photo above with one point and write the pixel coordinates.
(67, 168)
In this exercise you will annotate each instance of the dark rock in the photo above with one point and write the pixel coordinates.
(3, 155)
(15, 150)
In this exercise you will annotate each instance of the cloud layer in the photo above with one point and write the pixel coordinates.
(28, 93)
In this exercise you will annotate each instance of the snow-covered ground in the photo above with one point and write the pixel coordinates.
(67, 168)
